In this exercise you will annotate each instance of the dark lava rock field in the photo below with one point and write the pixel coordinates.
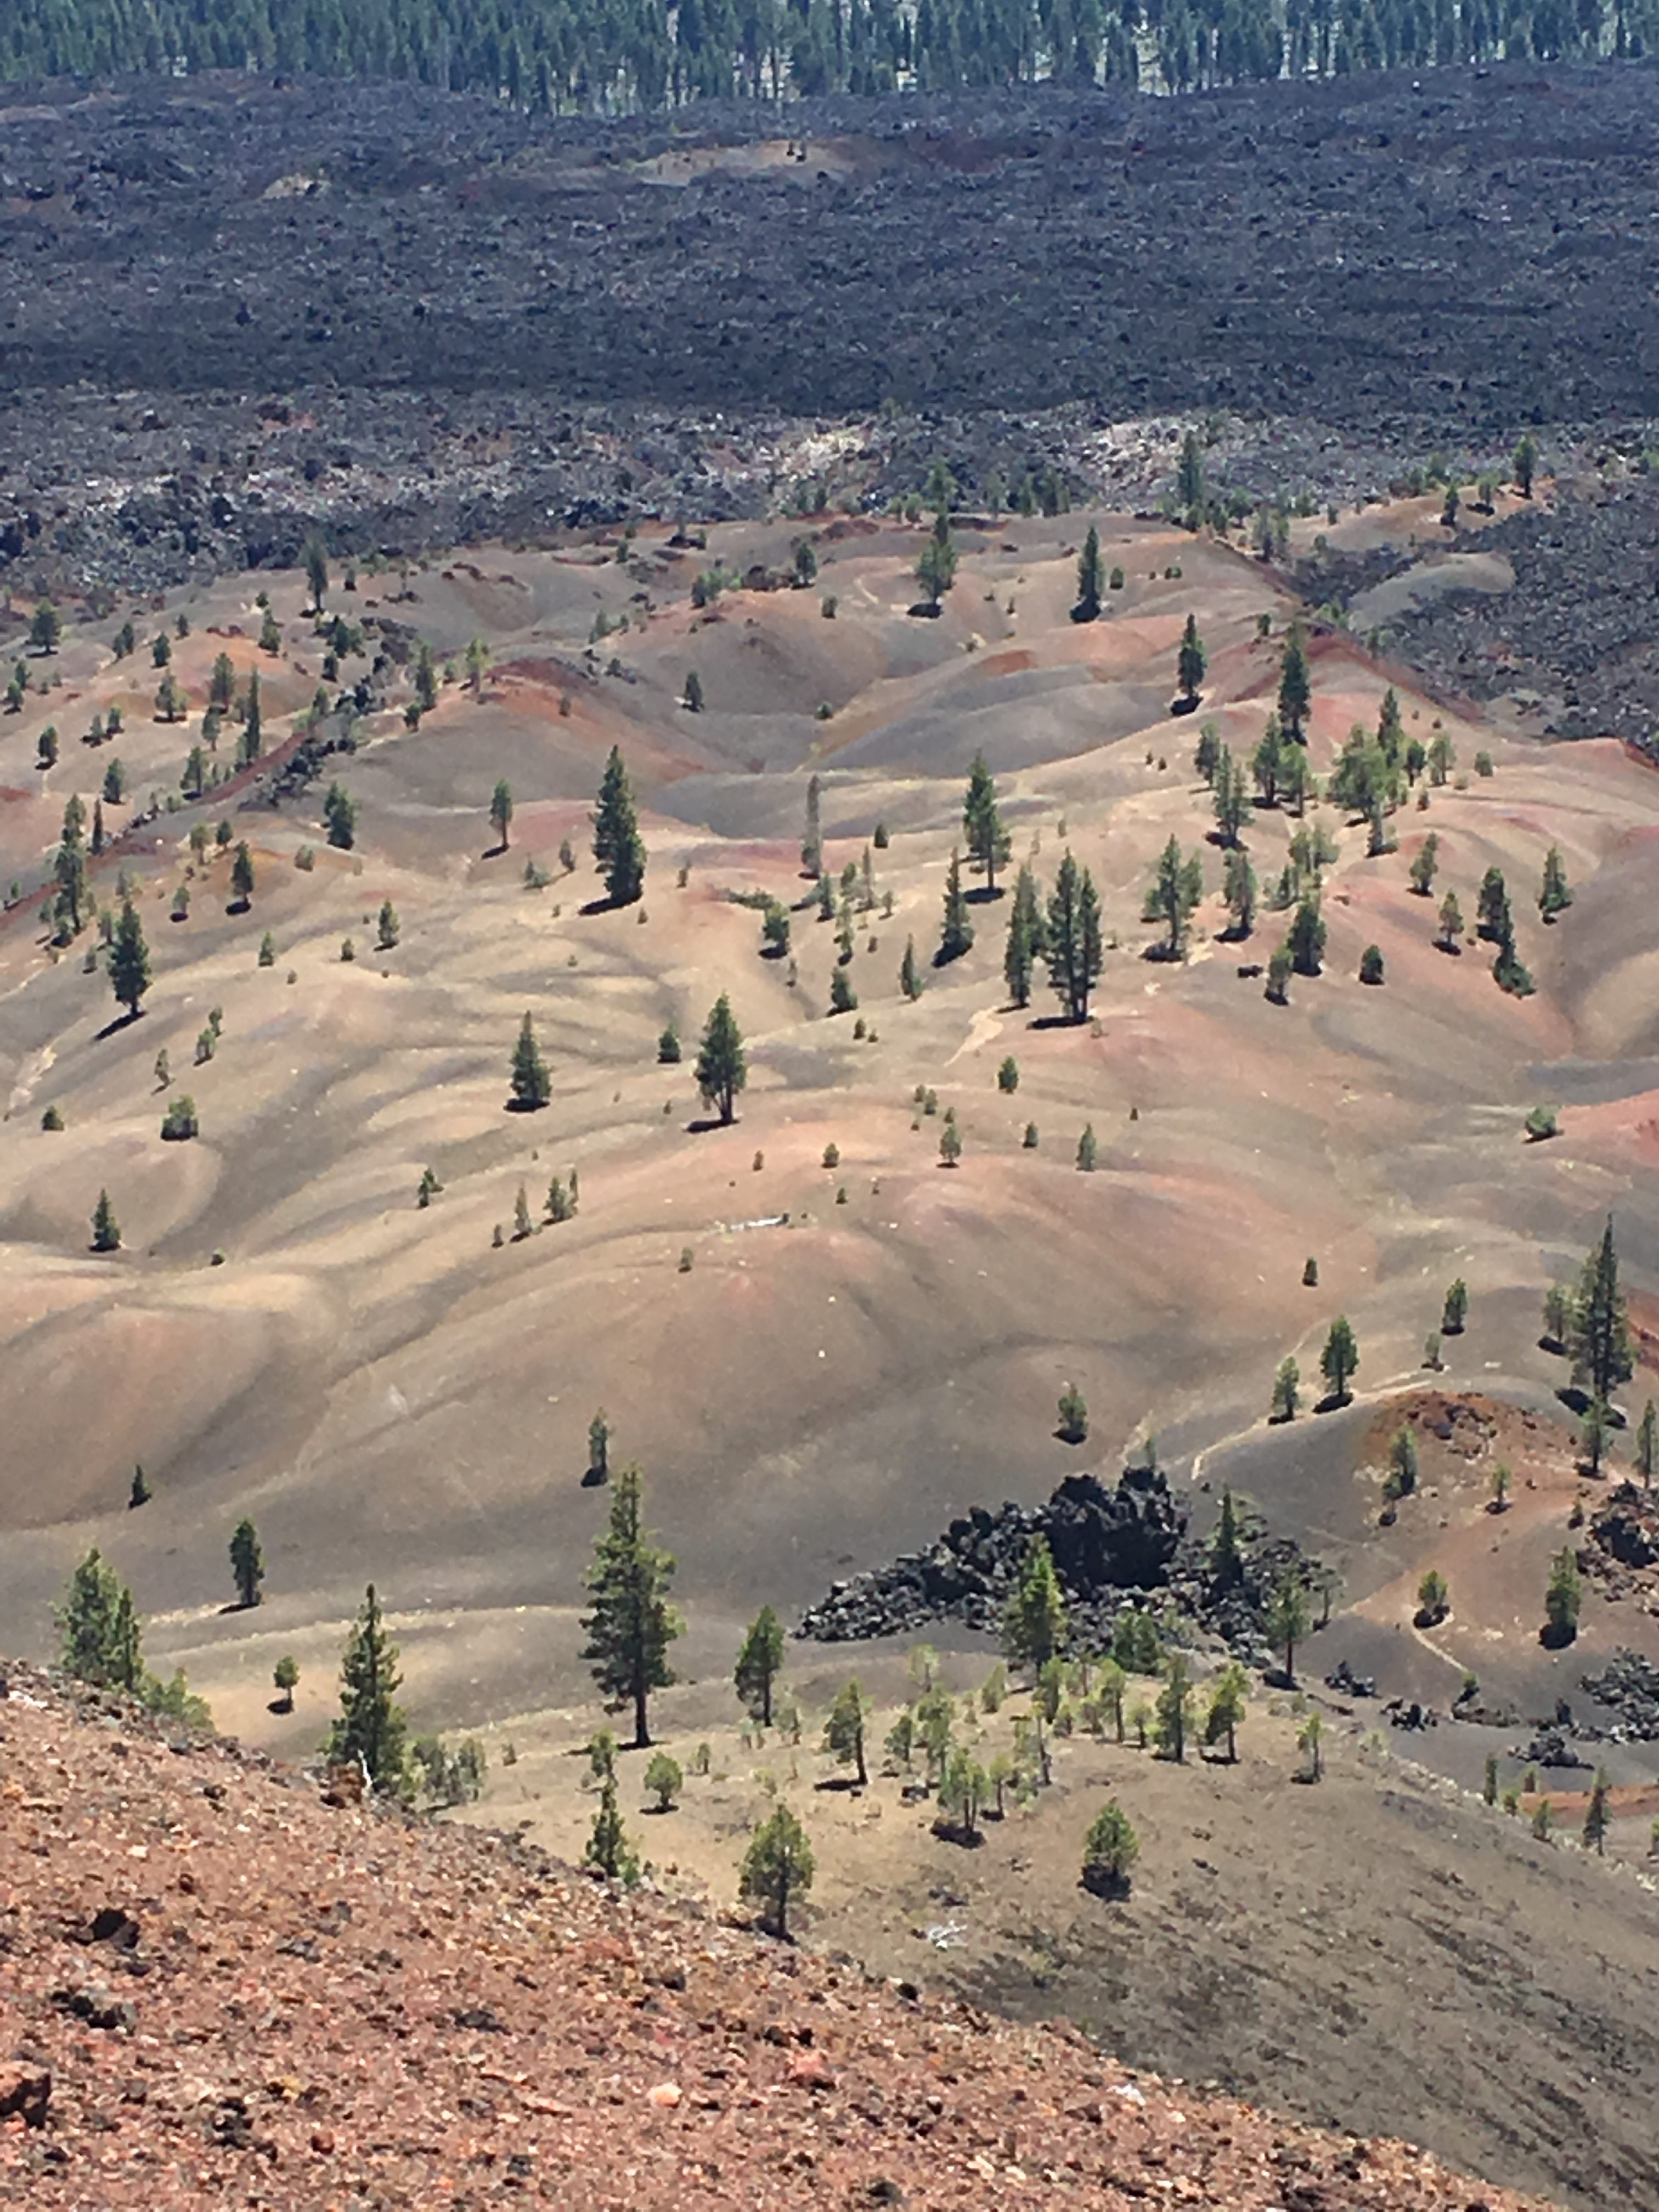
(234, 308)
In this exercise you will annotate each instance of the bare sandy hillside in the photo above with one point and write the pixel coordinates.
(817, 1365)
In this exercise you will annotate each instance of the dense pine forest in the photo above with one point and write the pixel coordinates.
(626, 56)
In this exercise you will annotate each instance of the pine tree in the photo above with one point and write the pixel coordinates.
(988, 842)
(241, 875)
(1173, 893)
(369, 1728)
(248, 1563)
(530, 1083)
(811, 845)
(1189, 475)
(722, 1068)
(1340, 1359)
(1287, 1383)
(1091, 579)
(632, 1623)
(1226, 1708)
(45, 628)
(1290, 1617)
(1033, 1623)
(609, 1851)
(1206, 755)
(1025, 941)
(1493, 912)
(1073, 1416)
(1295, 691)
(1239, 888)
(618, 849)
(129, 959)
(1563, 1596)
(1191, 661)
(1597, 1817)
(1599, 1322)
(760, 1661)
(1173, 1711)
(1553, 897)
(340, 817)
(1450, 927)
(251, 743)
(778, 1868)
(1423, 865)
(106, 1228)
(936, 570)
(1071, 942)
(1226, 1561)
(844, 1731)
(1109, 1851)
(956, 935)
(285, 1678)
(316, 561)
(1232, 799)
(910, 980)
(500, 811)
(98, 1627)
(1647, 1444)
(1306, 937)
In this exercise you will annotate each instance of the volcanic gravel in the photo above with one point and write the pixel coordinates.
(216, 1988)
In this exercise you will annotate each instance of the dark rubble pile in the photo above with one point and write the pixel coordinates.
(1628, 1686)
(1113, 1547)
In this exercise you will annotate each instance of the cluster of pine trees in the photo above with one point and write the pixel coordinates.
(631, 55)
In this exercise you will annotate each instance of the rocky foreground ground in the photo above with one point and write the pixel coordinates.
(219, 1988)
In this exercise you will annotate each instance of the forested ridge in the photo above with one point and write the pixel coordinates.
(624, 56)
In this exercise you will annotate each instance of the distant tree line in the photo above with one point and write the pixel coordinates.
(625, 56)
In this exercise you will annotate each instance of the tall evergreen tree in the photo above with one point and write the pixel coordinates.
(530, 1083)
(778, 1867)
(241, 875)
(957, 933)
(500, 811)
(369, 1728)
(1071, 942)
(1554, 897)
(722, 1068)
(1239, 888)
(910, 980)
(1295, 688)
(1340, 1359)
(811, 844)
(632, 1623)
(1174, 892)
(316, 561)
(1091, 579)
(988, 843)
(618, 849)
(251, 743)
(1191, 661)
(129, 959)
(98, 1627)
(760, 1661)
(1026, 937)
(1599, 1323)
(844, 1731)
(1034, 1622)
(1306, 935)
(936, 570)
(248, 1563)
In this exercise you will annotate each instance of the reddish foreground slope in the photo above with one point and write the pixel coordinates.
(215, 1989)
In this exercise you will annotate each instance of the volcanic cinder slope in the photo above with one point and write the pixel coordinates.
(815, 1367)
(215, 1987)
